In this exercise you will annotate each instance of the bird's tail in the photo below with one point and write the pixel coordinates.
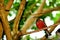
(47, 33)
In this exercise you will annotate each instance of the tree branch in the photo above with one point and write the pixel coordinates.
(45, 11)
(18, 17)
(41, 30)
(2, 1)
(5, 23)
(51, 9)
(6, 26)
(8, 6)
(1, 30)
(30, 20)
(51, 26)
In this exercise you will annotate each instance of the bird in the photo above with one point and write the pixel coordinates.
(41, 25)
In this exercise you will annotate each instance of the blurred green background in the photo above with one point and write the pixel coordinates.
(30, 7)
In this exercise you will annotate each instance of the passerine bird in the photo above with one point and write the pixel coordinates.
(41, 25)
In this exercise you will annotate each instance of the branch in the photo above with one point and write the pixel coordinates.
(27, 12)
(52, 28)
(8, 6)
(42, 29)
(5, 23)
(2, 1)
(45, 11)
(30, 20)
(6, 26)
(18, 17)
(40, 9)
(21, 34)
(1, 30)
(51, 9)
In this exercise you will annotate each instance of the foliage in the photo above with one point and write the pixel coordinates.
(6, 1)
(56, 17)
(30, 8)
(29, 38)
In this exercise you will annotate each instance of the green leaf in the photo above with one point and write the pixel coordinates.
(56, 17)
(10, 14)
(54, 1)
(34, 27)
(5, 2)
(11, 25)
(16, 5)
(28, 37)
(58, 4)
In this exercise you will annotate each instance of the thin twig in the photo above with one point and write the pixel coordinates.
(51, 26)
(30, 20)
(18, 17)
(45, 11)
(51, 29)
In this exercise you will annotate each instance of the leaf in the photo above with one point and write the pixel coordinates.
(34, 27)
(10, 14)
(56, 17)
(11, 25)
(28, 37)
(5, 2)
(58, 4)
(16, 5)
(54, 1)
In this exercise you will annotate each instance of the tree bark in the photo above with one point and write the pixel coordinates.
(5, 23)
(1, 30)
(18, 17)
(30, 20)
(8, 6)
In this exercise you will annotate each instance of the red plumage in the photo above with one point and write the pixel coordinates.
(40, 24)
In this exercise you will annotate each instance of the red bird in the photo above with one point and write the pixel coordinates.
(41, 24)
